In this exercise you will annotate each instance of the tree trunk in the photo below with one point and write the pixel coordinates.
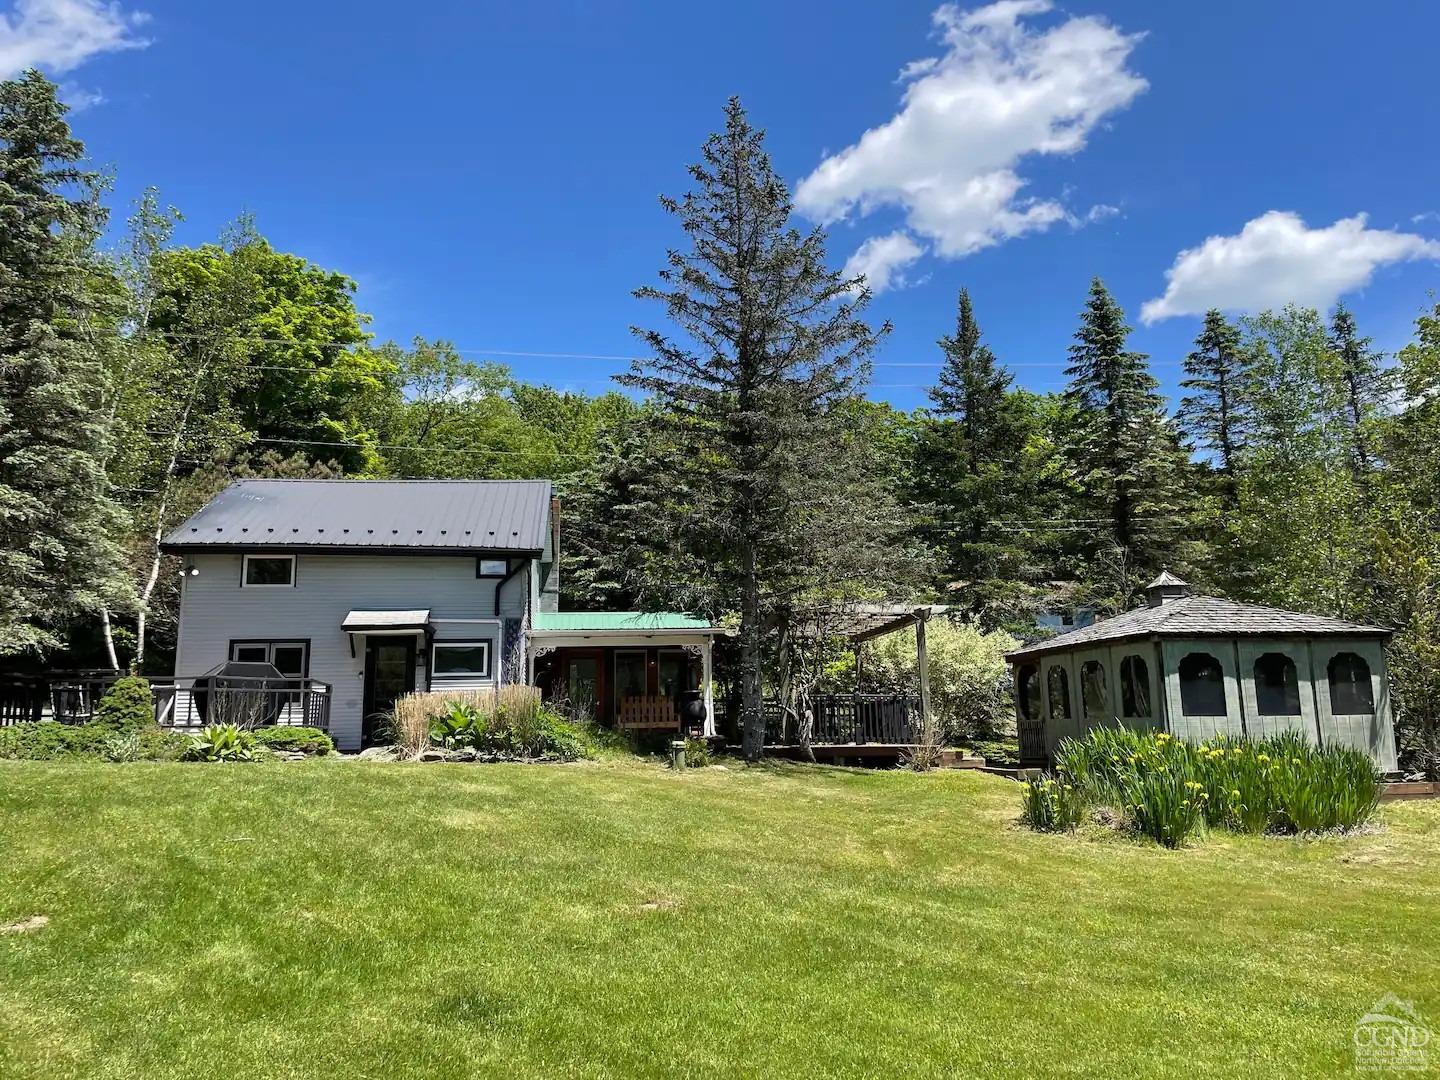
(107, 630)
(752, 711)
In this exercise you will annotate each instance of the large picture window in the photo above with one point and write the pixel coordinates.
(290, 658)
(1277, 685)
(1350, 690)
(268, 571)
(1202, 686)
(461, 658)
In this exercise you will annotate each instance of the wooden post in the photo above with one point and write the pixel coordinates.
(922, 661)
(708, 684)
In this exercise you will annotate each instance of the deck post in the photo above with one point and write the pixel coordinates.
(922, 661)
(707, 682)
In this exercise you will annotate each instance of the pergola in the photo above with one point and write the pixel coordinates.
(859, 623)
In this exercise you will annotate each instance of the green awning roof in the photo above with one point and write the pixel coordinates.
(633, 621)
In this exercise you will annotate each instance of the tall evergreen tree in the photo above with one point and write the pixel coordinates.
(1215, 414)
(1128, 460)
(971, 470)
(771, 495)
(1368, 386)
(57, 557)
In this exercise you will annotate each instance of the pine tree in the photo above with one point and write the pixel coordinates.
(1216, 413)
(971, 469)
(771, 494)
(57, 556)
(1128, 460)
(1368, 386)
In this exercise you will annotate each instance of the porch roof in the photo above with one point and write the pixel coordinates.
(619, 622)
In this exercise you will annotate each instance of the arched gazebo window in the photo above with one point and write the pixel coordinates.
(1029, 692)
(1135, 688)
(1202, 685)
(1093, 690)
(1057, 683)
(1350, 691)
(1277, 685)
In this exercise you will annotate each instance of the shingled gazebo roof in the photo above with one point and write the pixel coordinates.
(1200, 616)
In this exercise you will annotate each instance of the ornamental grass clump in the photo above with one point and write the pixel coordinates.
(1169, 790)
(1052, 805)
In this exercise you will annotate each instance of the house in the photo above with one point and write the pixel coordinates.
(1200, 666)
(359, 591)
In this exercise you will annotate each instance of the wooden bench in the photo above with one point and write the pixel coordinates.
(647, 714)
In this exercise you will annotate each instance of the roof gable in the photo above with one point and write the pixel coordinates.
(457, 516)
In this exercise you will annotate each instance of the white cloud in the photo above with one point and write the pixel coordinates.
(1002, 91)
(1276, 260)
(881, 260)
(60, 35)
(1425, 215)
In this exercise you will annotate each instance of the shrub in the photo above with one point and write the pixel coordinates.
(303, 740)
(1050, 805)
(697, 754)
(50, 741)
(969, 682)
(126, 706)
(221, 742)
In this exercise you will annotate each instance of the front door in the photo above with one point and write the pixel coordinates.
(389, 673)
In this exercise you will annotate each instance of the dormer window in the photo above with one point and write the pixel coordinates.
(267, 571)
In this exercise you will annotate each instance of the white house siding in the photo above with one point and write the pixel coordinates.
(215, 610)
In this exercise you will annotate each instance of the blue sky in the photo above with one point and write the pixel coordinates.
(488, 172)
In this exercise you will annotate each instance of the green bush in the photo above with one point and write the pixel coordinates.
(50, 741)
(304, 740)
(697, 754)
(1168, 789)
(221, 742)
(126, 706)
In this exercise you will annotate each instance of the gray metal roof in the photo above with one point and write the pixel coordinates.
(404, 515)
(1199, 616)
(361, 619)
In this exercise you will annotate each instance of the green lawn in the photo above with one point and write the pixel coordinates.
(346, 919)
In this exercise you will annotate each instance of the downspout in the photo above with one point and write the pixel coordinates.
(500, 585)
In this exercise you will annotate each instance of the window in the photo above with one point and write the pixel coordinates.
(1350, 691)
(268, 570)
(455, 658)
(291, 658)
(1277, 686)
(675, 674)
(1058, 684)
(1093, 691)
(491, 567)
(1202, 686)
(1135, 688)
(1029, 695)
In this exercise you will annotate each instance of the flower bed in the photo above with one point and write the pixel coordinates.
(1169, 790)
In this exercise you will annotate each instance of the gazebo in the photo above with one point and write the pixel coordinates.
(1200, 666)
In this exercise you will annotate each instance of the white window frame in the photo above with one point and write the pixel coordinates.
(245, 583)
(269, 645)
(483, 643)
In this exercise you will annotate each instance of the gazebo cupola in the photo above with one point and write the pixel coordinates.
(1165, 588)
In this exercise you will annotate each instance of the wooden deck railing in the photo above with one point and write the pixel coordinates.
(849, 718)
(178, 702)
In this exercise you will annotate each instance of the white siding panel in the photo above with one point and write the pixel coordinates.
(214, 610)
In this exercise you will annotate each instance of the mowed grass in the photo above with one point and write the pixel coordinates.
(346, 919)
